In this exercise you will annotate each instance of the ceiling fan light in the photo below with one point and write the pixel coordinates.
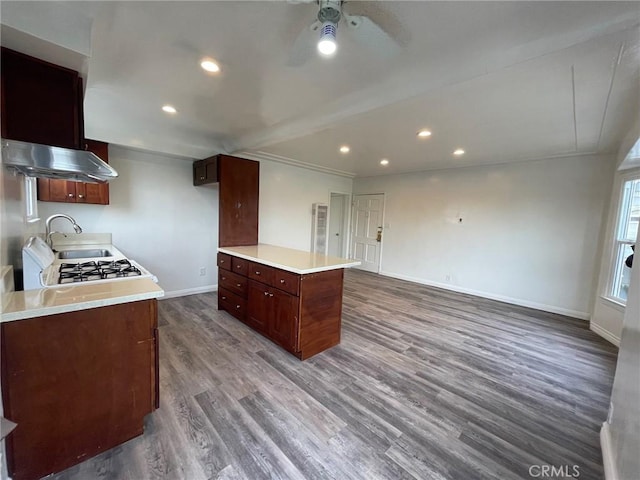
(327, 44)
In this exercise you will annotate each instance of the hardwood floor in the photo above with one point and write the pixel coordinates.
(426, 384)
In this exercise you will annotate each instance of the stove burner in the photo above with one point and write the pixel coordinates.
(87, 271)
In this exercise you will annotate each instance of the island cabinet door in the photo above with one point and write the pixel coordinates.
(259, 306)
(283, 322)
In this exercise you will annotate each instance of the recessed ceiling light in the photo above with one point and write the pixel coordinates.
(209, 65)
(169, 109)
(345, 149)
(458, 151)
(384, 161)
(424, 133)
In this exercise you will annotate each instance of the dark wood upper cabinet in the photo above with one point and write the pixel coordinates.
(41, 102)
(239, 183)
(205, 171)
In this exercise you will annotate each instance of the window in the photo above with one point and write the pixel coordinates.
(31, 199)
(625, 236)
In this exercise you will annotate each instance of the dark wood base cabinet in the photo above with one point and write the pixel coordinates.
(301, 313)
(77, 384)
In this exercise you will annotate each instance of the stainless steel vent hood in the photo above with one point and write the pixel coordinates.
(35, 160)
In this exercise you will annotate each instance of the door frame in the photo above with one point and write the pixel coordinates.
(346, 222)
(384, 210)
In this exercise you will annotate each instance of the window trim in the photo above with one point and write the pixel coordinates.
(613, 247)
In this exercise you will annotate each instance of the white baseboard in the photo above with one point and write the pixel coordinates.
(190, 291)
(606, 334)
(608, 457)
(515, 301)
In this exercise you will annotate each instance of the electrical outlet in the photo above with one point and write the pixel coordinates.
(203, 271)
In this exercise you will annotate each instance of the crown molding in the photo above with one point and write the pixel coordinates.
(259, 155)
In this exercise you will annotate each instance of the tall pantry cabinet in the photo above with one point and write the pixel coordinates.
(239, 184)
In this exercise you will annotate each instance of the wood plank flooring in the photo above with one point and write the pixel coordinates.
(426, 384)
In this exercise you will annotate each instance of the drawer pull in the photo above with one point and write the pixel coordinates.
(237, 307)
(238, 284)
(266, 293)
(238, 266)
(221, 261)
(224, 298)
(224, 278)
(271, 294)
(257, 273)
(282, 280)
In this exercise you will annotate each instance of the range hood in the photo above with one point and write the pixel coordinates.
(42, 161)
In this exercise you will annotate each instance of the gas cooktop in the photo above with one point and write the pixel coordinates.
(100, 270)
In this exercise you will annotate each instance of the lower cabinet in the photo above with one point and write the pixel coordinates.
(77, 384)
(274, 313)
(301, 313)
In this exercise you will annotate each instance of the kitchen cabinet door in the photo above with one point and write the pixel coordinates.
(41, 102)
(239, 194)
(283, 319)
(205, 171)
(259, 306)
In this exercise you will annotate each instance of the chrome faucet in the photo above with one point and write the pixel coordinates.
(47, 223)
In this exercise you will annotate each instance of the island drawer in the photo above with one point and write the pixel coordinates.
(261, 273)
(233, 282)
(224, 261)
(287, 281)
(239, 266)
(232, 303)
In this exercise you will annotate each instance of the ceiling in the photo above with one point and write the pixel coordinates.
(505, 81)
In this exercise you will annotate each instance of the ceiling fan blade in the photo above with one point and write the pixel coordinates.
(304, 45)
(370, 35)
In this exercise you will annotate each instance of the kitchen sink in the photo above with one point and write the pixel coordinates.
(87, 253)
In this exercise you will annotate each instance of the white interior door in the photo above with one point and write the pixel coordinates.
(336, 224)
(367, 230)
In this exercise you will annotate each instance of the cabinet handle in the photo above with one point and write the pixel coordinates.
(201, 178)
(224, 278)
(70, 195)
(224, 298)
(257, 273)
(271, 294)
(239, 266)
(237, 307)
(266, 293)
(80, 196)
(238, 284)
(281, 280)
(221, 261)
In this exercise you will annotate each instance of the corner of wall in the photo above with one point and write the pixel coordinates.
(608, 458)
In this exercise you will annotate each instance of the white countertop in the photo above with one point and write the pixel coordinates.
(296, 261)
(62, 299)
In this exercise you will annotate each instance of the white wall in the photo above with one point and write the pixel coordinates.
(286, 195)
(157, 217)
(529, 232)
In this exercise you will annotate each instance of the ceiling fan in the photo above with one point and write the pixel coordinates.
(361, 28)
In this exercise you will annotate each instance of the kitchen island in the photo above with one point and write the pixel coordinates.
(292, 297)
(79, 371)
